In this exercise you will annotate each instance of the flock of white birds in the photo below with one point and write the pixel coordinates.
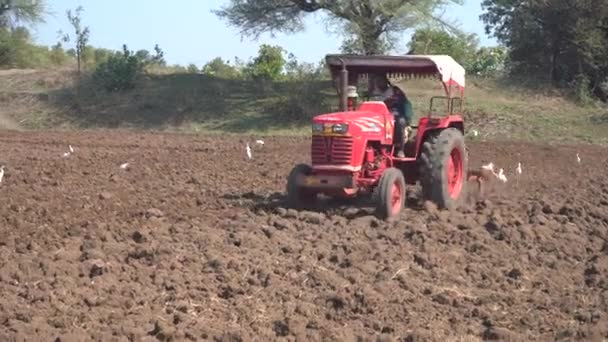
(490, 167)
(518, 170)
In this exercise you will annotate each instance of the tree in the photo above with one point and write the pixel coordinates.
(148, 60)
(143, 55)
(369, 26)
(461, 47)
(7, 48)
(302, 71)
(13, 12)
(82, 34)
(566, 41)
(488, 61)
(159, 56)
(268, 65)
(192, 68)
(15, 48)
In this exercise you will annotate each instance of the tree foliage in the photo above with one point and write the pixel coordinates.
(159, 57)
(15, 12)
(488, 61)
(301, 71)
(268, 64)
(18, 51)
(562, 40)
(147, 59)
(192, 68)
(461, 47)
(369, 26)
(464, 48)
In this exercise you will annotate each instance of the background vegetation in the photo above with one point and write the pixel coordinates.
(547, 79)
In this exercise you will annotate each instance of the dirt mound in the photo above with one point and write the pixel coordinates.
(191, 241)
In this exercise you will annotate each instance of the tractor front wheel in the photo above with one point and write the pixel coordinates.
(443, 162)
(298, 197)
(390, 193)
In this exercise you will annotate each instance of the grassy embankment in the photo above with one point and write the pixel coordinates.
(197, 103)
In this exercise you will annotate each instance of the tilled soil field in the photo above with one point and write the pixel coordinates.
(191, 241)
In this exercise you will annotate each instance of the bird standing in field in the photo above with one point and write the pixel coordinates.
(1, 172)
(519, 168)
(501, 175)
(489, 167)
(248, 148)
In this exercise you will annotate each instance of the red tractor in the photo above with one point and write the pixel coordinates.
(353, 151)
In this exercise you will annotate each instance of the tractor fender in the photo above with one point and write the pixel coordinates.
(432, 127)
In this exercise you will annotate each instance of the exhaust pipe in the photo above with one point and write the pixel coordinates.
(343, 86)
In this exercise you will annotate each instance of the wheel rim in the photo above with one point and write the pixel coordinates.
(455, 172)
(395, 198)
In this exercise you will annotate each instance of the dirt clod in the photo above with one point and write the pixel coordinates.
(153, 212)
(105, 195)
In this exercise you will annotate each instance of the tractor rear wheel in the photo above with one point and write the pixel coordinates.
(443, 163)
(298, 197)
(390, 193)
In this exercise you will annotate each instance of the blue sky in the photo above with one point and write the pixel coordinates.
(188, 32)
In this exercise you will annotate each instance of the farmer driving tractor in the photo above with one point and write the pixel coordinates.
(398, 104)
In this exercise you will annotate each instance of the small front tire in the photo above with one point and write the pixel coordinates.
(390, 193)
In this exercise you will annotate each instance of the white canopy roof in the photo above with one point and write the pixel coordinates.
(446, 67)
(450, 70)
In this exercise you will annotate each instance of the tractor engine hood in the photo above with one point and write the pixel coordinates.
(357, 122)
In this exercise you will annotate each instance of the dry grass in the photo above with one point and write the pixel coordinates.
(191, 102)
(7, 123)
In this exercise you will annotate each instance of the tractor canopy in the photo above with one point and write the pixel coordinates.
(346, 70)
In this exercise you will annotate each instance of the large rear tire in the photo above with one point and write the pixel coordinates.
(443, 163)
(390, 193)
(298, 197)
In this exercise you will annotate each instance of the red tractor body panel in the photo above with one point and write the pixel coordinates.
(345, 151)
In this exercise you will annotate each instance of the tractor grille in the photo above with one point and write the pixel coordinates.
(331, 150)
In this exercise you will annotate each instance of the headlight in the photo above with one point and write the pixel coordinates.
(340, 128)
(317, 128)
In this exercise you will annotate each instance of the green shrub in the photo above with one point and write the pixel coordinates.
(120, 72)
(219, 68)
(299, 101)
(57, 56)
